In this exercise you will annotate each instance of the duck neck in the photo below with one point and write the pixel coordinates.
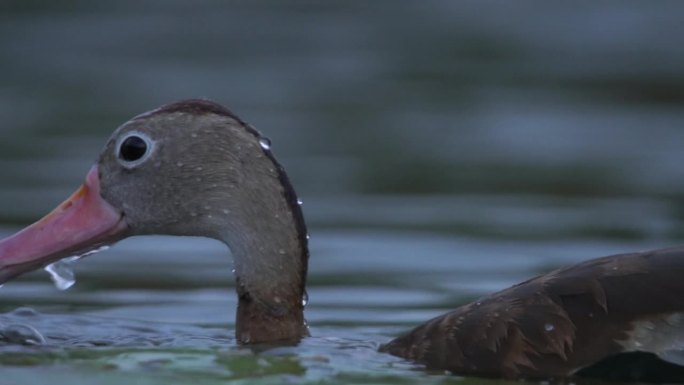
(270, 287)
(270, 250)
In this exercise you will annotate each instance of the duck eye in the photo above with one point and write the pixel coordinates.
(132, 148)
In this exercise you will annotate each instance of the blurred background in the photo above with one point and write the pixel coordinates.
(443, 150)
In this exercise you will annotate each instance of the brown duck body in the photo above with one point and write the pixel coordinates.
(559, 323)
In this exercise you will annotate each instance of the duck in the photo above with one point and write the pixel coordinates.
(194, 168)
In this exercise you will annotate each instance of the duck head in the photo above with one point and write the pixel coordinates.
(190, 168)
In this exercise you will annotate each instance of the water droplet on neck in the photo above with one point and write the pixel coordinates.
(61, 272)
(265, 143)
(549, 327)
(305, 299)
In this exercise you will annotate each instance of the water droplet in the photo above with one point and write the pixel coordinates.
(299, 202)
(198, 168)
(265, 143)
(91, 252)
(61, 274)
(193, 135)
(478, 303)
(308, 237)
(305, 299)
(245, 338)
(179, 164)
(549, 327)
(281, 251)
(226, 211)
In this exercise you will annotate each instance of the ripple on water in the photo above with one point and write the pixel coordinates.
(198, 353)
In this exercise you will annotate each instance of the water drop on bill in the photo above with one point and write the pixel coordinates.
(61, 272)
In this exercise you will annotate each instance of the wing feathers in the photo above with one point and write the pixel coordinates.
(554, 324)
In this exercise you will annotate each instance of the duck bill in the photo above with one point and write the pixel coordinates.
(80, 224)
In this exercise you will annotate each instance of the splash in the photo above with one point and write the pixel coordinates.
(21, 334)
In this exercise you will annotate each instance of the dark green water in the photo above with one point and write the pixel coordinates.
(443, 150)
